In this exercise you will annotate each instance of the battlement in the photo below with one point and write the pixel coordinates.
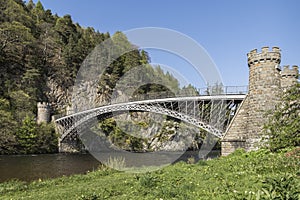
(43, 105)
(287, 72)
(266, 55)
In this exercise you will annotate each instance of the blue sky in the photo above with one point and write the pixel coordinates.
(227, 29)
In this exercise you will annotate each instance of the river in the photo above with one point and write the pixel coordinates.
(32, 167)
(44, 166)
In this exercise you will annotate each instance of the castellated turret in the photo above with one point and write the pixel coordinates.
(43, 114)
(264, 72)
(264, 93)
(289, 77)
(264, 90)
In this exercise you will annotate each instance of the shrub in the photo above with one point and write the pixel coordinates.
(283, 130)
(280, 187)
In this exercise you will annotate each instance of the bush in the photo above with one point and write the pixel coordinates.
(280, 187)
(34, 138)
(283, 130)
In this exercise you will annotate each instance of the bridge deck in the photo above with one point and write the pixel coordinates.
(193, 98)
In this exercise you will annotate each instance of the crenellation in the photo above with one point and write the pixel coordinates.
(264, 50)
(289, 76)
(276, 49)
(274, 56)
(290, 72)
(252, 52)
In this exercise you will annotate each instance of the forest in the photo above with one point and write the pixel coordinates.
(40, 55)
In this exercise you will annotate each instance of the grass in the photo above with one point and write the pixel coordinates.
(254, 175)
(116, 163)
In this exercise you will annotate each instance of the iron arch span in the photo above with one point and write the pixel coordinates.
(187, 109)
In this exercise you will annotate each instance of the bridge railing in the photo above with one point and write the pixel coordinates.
(208, 91)
(223, 90)
(190, 92)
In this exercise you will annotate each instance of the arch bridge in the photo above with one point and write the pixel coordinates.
(212, 113)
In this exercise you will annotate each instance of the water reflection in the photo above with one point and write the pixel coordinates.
(34, 167)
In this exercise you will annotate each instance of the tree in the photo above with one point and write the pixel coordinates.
(40, 55)
(47, 140)
(282, 129)
(38, 11)
(14, 10)
(65, 28)
(15, 40)
(7, 128)
(189, 90)
(27, 136)
(30, 5)
(22, 105)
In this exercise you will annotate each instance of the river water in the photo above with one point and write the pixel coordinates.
(33, 167)
(44, 166)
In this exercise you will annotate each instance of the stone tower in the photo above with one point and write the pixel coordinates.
(289, 76)
(265, 88)
(43, 114)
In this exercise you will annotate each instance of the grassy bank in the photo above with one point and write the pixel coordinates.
(255, 175)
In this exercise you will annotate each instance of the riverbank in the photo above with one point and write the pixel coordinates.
(247, 175)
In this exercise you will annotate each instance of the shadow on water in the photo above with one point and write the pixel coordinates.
(33, 167)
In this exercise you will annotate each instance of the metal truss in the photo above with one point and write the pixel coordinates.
(210, 113)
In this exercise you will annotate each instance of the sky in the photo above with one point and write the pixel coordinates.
(226, 29)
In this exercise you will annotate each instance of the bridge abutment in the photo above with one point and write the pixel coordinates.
(71, 146)
(266, 84)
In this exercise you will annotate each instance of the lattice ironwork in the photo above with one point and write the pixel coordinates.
(210, 113)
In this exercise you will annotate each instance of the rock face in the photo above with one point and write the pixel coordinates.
(82, 96)
(173, 137)
(58, 95)
(159, 134)
(266, 84)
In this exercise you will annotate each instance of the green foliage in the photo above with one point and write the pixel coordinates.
(189, 90)
(281, 187)
(7, 127)
(35, 46)
(34, 138)
(147, 180)
(252, 176)
(38, 48)
(26, 136)
(282, 129)
(21, 105)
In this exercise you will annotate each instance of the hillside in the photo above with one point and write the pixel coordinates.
(40, 55)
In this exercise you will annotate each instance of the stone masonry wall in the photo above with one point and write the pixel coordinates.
(235, 137)
(289, 76)
(43, 114)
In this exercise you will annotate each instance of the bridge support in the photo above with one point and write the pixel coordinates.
(71, 146)
(266, 84)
